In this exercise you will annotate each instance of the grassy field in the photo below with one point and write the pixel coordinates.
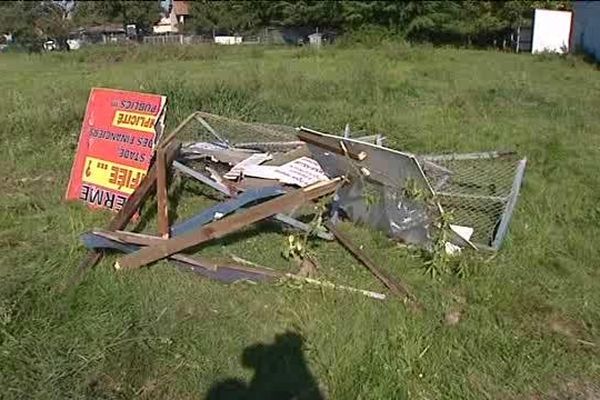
(530, 316)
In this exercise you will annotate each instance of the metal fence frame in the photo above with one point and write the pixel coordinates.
(509, 202)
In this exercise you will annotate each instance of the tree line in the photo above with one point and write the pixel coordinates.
(460, 21)
(466, 22)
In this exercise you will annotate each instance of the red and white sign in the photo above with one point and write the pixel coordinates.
(116, 145)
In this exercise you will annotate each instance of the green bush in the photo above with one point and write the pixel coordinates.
(369, 36)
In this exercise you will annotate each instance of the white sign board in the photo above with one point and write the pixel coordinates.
(551, 31)
(239, 168)
(302, 171)
(263, 171)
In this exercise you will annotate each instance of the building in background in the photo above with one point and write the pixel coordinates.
(181, 11)
(551, 31)
(173, 20)
(586, 28)
(108, 33)
(166, 25)
(315, 39)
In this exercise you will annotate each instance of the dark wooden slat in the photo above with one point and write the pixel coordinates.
(227, 225)
(162, 197)
(138, 239)
(137, 198)
(327, 143)
(396, 287)
(142, 239)
(201, 262)
(283, 158)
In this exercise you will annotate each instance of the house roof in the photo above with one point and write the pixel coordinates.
(181, 8)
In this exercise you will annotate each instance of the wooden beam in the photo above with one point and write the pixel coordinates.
(227, 225)
(138, 239)
(148, 240)
(134, 202)
(396, 287)
(137, 198)
(311, 136)
(162, 194)
(141, 239)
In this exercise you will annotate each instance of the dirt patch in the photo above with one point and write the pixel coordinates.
(563, 326)
(573, 331)
(455, 312)
(575, 390)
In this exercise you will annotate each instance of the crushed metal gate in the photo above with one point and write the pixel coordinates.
(480, 190)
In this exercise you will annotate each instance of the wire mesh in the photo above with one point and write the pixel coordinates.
(236, 131)
(246, 137)
(474, 188)
(233, 130)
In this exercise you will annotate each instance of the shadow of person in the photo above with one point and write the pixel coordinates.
(280, 373)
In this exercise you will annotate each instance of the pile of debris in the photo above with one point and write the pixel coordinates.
(275, 175)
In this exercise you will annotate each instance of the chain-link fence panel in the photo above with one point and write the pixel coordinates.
(206, 127)
(479, 189)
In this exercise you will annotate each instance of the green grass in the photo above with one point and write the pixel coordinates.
(164, 333)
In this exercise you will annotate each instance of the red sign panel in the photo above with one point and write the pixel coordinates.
(116, 146)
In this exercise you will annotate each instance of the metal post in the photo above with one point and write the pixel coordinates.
(510, 205)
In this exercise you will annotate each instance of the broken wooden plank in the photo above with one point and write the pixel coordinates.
(162, 194)
(227, 225)
(220, 210)
(223, 271)
(128, 242)
(134, 202)
(137, 198)
(314, 137)
(134, 238)
(282, 158)
(396, 287)
(122, 241)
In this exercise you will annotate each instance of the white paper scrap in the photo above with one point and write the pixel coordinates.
(263, 171)
(239, 168)
(464, 232)
(302, 171)
(452, 249)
